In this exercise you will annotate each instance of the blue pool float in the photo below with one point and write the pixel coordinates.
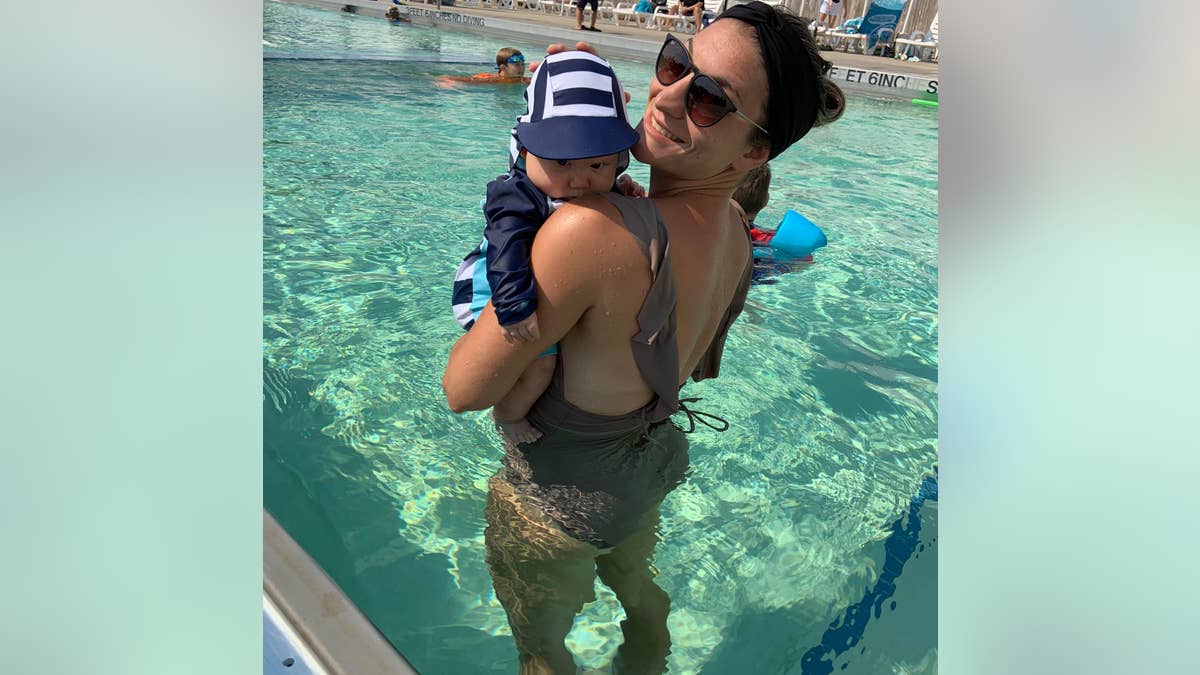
(797, 236)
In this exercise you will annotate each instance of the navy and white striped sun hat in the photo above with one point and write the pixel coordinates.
(576, 109)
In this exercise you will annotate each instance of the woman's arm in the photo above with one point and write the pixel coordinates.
(483, 367)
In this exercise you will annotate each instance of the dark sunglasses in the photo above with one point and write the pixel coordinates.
(707, 102)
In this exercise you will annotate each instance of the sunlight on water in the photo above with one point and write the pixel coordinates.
(372, 182)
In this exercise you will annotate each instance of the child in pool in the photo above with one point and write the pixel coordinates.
(573, 140)
(510, 69)
(752, 195)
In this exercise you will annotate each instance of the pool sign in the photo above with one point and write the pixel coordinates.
(880, 82)
(436, 16)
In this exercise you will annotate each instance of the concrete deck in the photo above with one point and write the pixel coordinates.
(871, 75)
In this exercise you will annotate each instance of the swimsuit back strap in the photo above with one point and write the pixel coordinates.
(655, 350)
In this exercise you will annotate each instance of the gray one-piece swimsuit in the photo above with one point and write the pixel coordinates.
(597, 475)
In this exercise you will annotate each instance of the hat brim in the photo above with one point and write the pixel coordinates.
(576, 137)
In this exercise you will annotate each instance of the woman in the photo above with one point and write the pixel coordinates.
(638, 294)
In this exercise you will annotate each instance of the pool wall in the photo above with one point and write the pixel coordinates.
(522, 24)
(310, 623)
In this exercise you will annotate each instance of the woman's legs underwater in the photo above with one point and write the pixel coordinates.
(543, 577)
(627, 571)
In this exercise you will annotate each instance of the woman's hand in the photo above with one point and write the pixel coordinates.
(560, 47)
(579, 46)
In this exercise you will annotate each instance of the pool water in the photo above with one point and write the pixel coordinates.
(804, 540)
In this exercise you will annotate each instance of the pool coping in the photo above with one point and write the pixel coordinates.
(857, 73)
(309, 608)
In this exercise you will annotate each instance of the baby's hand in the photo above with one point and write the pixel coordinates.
(525, 330)
(630, 187)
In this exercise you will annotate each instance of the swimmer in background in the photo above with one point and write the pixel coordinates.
(752, 195)
(510, 69)
(393, 15)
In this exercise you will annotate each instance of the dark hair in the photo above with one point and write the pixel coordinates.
(753, 192)
(800, 94)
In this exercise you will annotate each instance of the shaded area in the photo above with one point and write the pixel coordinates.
(847, 395)
(324, 494)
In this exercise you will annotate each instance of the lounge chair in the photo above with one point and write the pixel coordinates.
(664, 20)
(607, 10)
(624, 12)
(712, 9)
(878, 24)
(924, 45)
(834, 37)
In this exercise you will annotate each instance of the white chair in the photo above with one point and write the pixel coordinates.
(607, 10)
(624, 12)
(924, 44)
(712, 9)
(664, 20)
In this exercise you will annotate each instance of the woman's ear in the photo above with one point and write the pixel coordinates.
(753, 158)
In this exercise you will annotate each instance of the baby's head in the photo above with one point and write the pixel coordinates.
(510, 62)
(574, 134)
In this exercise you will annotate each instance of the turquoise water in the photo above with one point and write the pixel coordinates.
(372, 181)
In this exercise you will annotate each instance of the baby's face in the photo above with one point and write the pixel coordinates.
(571, 178)
(513, 70)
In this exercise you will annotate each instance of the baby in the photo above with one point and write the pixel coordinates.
(573, 140)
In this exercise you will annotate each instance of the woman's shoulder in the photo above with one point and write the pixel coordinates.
(586, 217)
(590, 228)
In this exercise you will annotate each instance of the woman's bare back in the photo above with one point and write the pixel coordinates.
(708, 259)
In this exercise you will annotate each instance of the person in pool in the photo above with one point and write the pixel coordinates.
(393, 15)
(638, 294)
(572, 141)
(510, 69)
(752, 195)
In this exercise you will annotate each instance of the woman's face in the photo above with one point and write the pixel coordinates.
(727, 51)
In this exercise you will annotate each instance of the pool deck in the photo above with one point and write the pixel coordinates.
(871, 75)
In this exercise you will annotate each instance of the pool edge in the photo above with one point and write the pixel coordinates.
(894, 82)
(329, 625)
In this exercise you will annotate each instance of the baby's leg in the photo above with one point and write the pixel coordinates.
(509, 414)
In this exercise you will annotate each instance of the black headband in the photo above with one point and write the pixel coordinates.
(791, 106)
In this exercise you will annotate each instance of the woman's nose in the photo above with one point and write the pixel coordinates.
(671, 98)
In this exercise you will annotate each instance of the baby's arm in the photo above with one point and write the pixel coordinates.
(515, 209)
